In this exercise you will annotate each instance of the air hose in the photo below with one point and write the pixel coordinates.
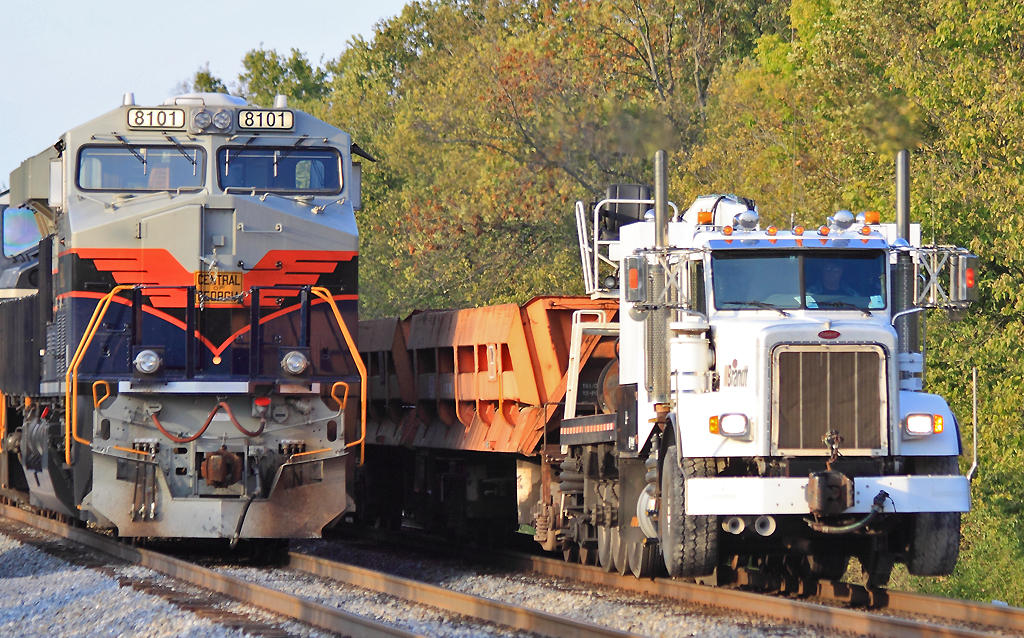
(877, 507)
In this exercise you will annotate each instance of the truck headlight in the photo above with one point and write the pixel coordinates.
(731, 425)
(923, 424)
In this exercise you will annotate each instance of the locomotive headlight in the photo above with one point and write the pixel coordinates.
(147, 362)
(733, 425)
(294, 362)
(923, 424)
(222, 119)
(202, 119)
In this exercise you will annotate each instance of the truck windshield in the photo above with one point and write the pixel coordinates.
(280, 170)
(132, 167)
(825, 280)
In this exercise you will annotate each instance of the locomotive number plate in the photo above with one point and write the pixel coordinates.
(222, 286)
(263, 119)
(156, 118)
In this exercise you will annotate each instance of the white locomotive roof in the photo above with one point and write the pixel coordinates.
(206, 99)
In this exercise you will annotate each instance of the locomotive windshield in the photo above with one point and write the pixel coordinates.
(280, 170)
(825, 280)
(141, 168)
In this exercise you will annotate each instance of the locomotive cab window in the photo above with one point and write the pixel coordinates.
(141, 168)
(20, 231)
(280, 169)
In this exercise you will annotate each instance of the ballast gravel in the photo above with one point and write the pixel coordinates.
(44, 596)
(616, 609)
(418, 619)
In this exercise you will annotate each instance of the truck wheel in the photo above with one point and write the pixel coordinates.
(935, 536)
(689, 544)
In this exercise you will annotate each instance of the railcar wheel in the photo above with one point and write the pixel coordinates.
(570, 552)
(588, 554)
(827, 566)
(935, 536)
(619, 558)
(643, 558)
(604, 548)
(689, 544)
(876, 568)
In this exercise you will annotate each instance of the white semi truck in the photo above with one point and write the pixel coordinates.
(769, 411)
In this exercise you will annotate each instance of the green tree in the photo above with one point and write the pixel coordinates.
(204, 81)
(267, 74)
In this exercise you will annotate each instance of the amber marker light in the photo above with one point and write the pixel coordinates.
(822, 230)
(872, 217)
(798, 230)
(704, 218)
(865, 230)
(727, 230)
(713, 425)
(772, 230)
(937, 424)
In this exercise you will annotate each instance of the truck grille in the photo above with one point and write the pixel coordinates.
(821, 388)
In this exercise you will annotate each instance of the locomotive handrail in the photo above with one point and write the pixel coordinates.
(325, 294)
(71, 377)
(95, 401)
(334, 395)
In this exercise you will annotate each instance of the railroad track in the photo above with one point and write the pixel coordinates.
(832, 605)
(940, 617)
(937, 617)
(312, 613)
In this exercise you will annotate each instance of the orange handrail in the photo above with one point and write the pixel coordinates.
(297, 454)
(71, 378)
(96, 403)
(325, 294)
(334, 395)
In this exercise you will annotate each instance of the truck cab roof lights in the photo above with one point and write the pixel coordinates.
(772, 231)
(747, 220)
(842, 220)
(865, 230)
(727, 230)
(823, 230)
(798, 230)
(869, 217)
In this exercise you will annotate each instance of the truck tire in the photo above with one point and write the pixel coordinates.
(935, 536)
(689, 544)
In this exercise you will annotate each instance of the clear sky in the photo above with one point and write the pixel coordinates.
(64, 62)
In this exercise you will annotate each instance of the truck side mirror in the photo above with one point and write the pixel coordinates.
(355, 186)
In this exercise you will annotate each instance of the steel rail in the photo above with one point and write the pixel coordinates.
(456, 602)
(1010, 618)
(282, 603)
(797, 611)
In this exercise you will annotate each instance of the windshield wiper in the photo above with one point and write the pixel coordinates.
(132, 151)
(843, 304)
(181, 149)
(757, 304)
